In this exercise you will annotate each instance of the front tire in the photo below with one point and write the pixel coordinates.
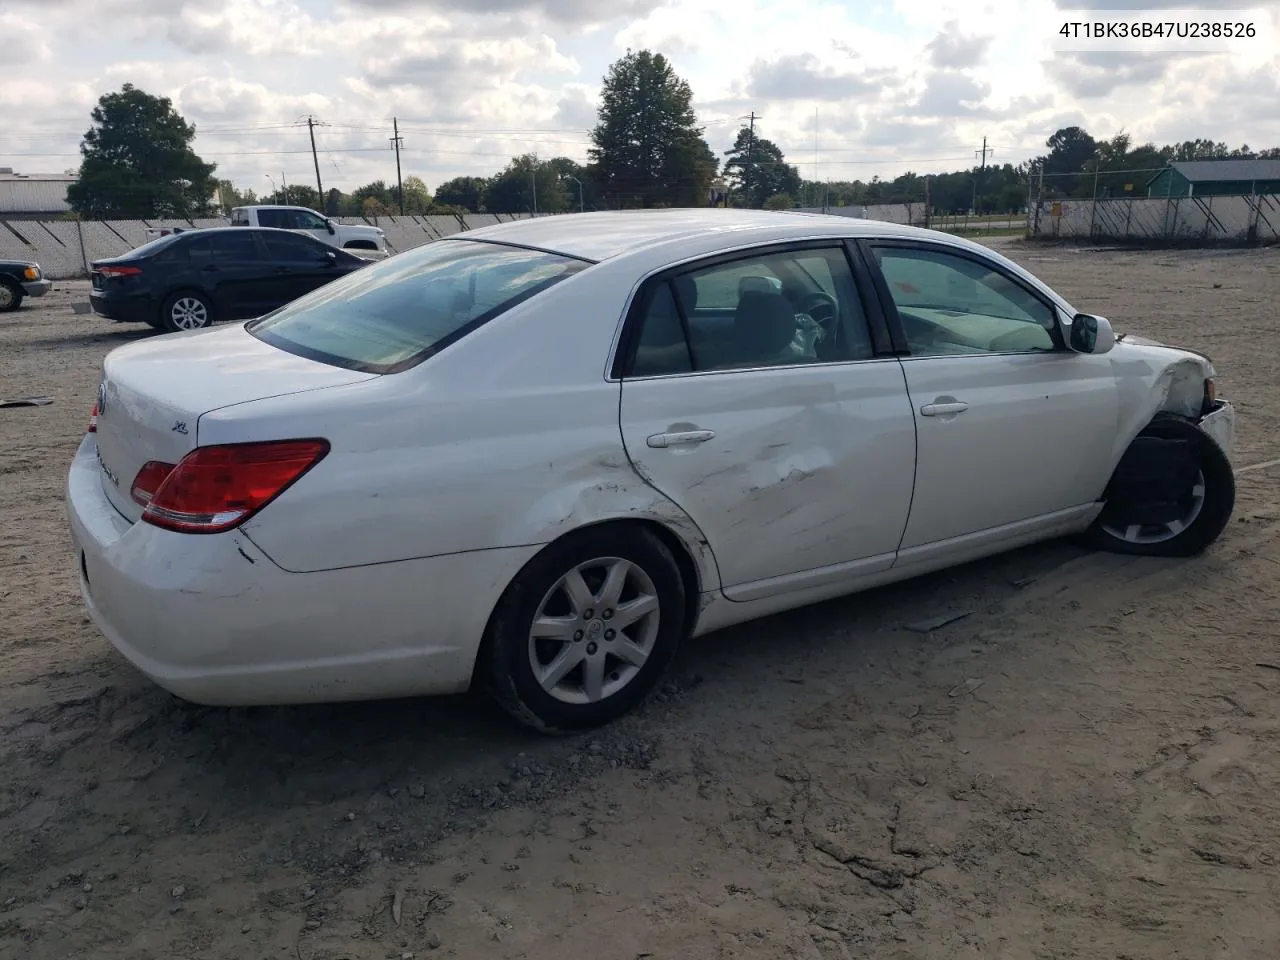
(586, 630)
(10, 296)
(186, 310)
(1190, 520)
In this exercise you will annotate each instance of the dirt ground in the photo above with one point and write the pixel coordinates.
(1086, 765)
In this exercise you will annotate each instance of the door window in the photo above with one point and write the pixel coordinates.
(233, 245)
(306, 220)
(783, 308)
(272, 218)
(293, 247)
(951, 304)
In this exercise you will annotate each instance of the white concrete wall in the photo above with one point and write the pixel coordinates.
(56, 244)
(1203, 220)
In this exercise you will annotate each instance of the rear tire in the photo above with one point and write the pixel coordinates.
(10, 296)
(1206, 504)
(586, 630)
(186, 310)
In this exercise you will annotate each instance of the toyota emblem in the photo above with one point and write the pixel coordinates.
(102, 397)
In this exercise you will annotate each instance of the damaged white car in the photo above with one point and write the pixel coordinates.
(537, 457)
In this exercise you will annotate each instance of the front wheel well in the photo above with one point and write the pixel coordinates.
(679, 551)
(359, 245)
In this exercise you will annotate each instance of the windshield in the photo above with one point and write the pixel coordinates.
(391, 315)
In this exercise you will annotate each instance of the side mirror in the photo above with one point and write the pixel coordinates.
(1090, 334)
(330, 257)
(328, 225)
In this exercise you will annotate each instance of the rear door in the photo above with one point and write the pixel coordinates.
(1013, 427)
(795, 457)
(233, 270)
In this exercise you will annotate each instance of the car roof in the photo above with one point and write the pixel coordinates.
(608, 234)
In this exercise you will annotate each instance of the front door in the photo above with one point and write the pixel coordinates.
(752, 397)
(1012, 427)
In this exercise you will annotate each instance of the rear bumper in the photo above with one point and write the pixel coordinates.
(123, 309)
(1220, 425)
(37, 288)
(213, 620)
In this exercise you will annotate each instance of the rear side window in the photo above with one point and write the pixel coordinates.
(224, 247)
(272, 218)
(388, 316)
(240, 217)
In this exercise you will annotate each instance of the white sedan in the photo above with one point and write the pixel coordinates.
(538, 456)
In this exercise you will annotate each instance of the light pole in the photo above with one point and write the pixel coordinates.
(582, 208)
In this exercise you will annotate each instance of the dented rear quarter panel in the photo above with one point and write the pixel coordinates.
(507, 438)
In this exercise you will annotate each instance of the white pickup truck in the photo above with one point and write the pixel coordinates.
(304, 220)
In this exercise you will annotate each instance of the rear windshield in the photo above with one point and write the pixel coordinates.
(390, 315)
(152, 246)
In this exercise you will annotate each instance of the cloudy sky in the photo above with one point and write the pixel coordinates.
(848, 89)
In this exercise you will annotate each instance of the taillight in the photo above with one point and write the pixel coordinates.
(213, 489)
(93, 418)
(119, 271)
(148, 480)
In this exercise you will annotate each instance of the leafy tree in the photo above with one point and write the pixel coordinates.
(463, 192)
(779, 201)
(512, 190)
(758, 170)
(1070, 149)
(138, 162)
(333, 202)
(378, 191)
(295, 195)
(647, 149)
(230, 196)
(417, 198)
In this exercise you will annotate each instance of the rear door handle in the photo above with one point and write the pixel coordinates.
(679, 439)
(943, 409)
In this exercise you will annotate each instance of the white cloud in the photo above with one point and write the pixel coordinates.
(845, 89)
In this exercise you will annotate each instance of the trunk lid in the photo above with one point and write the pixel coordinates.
(154, 392)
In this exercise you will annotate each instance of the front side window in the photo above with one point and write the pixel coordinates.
(293, 247)
(781, 308)
(395, 313)
(306, 220)
(951, 304)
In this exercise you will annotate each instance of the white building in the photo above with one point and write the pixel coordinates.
(32, 196)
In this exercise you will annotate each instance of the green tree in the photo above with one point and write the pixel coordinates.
(230, 196)
(780, 201)
(295, 195)
(417, 198)
(1070, 151)
(758, 170)
(138, 162)
(384, 198)
(461, 192)
(513, 190)
(647, 149)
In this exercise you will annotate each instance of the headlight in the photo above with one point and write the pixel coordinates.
(32, 272)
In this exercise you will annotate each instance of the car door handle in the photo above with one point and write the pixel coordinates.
(943, 409)
(679, 439)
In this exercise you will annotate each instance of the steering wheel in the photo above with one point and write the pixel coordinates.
(824, 309)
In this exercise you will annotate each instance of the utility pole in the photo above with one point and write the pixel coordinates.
(746, 174)
(981, 171)
(398, 140)
(311, 129)
(533, 183)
